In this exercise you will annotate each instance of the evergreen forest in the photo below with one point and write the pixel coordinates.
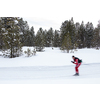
(16, 33)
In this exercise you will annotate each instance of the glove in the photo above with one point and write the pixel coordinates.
(72, 61)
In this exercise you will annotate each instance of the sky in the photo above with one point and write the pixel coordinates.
(51, 13)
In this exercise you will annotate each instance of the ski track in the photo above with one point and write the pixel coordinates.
(89, 74)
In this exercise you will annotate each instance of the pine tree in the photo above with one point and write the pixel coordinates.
(24, 31)
(12, 37)
(98, 33)
(81, 36)
(95, 40)
(32, 35)
(68, 27)
(72, 31)
(49, 37)
(89, 34)
(96, 37)
(67, 44)
(44, 38)
(39, 40)
(63, 30)
(2, 31)
(56, 41)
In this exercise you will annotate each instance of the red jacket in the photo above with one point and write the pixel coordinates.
(77, 61)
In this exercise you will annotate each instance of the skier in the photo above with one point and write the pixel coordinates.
(78, 62)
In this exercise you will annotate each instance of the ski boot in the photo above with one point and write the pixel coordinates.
(77, 74)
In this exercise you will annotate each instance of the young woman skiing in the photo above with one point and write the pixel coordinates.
(78, 62)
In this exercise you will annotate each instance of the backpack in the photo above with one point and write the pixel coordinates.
(81, 60)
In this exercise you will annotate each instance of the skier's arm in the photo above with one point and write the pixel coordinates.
(76, 62)
(72, 61)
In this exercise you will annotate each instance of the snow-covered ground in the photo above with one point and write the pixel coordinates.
(51, 67)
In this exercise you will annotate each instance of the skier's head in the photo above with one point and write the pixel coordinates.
(73, 57)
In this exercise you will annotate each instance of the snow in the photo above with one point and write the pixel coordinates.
(51, 67)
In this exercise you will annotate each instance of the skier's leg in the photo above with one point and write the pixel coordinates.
(76, 68)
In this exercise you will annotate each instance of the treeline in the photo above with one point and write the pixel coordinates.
(15, 33)
(76, 35)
